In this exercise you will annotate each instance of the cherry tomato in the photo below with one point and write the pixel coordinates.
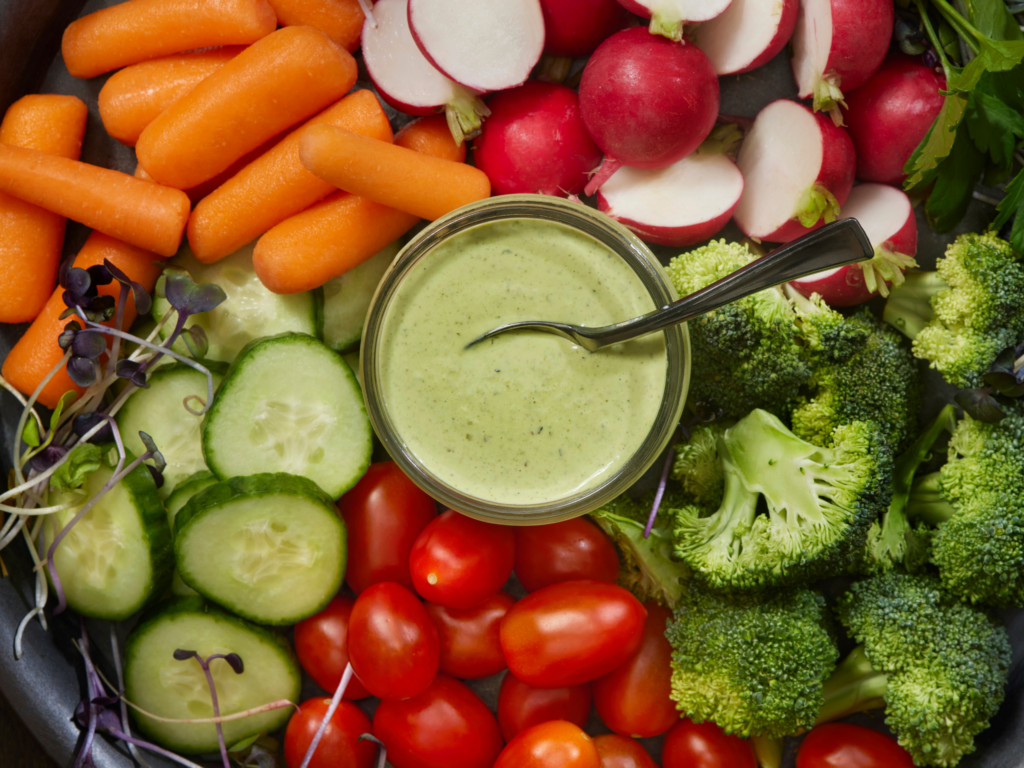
(571, 632)
(704, 745)
(321, 643)
(446, 725)
(844, 745)
(470, 648)
(339, 747)
(459, 562)
(618, 751)
(635, 698)
(567, 551)
(392, 643)
(384, 513)
(521, 706)
(554, 744)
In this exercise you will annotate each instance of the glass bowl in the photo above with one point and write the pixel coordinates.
(597, 227)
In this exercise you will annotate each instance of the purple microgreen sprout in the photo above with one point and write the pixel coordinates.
(125, 725)
(235, 662)
(662, 483)
(195, 339)
(85, 346)
(980, 404)
(346, 677)
(80, 294)
(382, 755)
(143, 301)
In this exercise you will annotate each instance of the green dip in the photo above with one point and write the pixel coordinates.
(523, 418)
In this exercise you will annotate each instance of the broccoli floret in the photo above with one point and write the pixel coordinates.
(697, 468)
(648, 568)
(938, 664)
(754, 666)
(791, 511)
(748, 353)
(963, 316)
(862, 372)
(977, 502)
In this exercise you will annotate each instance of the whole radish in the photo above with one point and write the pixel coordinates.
(534, 141)
(837, 46)
(890, 114)
(888, 220)
(797, 169)
(669, 16)
(576, 27)
(648, 102)
(747, 34)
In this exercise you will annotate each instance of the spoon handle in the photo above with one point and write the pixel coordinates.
(834, 245)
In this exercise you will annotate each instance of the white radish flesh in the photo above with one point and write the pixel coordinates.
(668, 16)
(487, 45)
(686, 203)
(748, 34)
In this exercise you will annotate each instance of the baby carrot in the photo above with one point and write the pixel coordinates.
(343, 231)
(141, 213)
(37, 351)
(132, 98)
(428, 187)
(276, 185)
(30, 237)
(139, 30)
(271, 85)
(341, 19)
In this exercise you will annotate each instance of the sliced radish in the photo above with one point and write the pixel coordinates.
(837, 46)
(668, 16)
(798, 170)
(686, 203)
(406, 80)
(748, 34)
(487, 45)
(888, 220)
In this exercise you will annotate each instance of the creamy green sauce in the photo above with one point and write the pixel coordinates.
(523, 418)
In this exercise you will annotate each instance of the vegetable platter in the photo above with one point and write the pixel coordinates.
(46, 684)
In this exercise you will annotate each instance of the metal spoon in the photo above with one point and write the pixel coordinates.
(834, 245)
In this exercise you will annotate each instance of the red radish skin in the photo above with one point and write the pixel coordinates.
(646, 101)
(748, 34)
(684, 204)
(576, 27)
(837, 46)
(669, 16)
(888, 220)
(534, 141)
(486, 45)
(406, 80)
(788, 154)
(890, 114)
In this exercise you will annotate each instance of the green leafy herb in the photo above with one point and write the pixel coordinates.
(85, 459)
(30, 434)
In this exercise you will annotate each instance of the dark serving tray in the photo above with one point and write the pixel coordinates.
(45, 686)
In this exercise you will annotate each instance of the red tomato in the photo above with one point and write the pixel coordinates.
(459, 562)
(470, 648)
(446, 725)
(321, 643)
(571, 632)
(618, 751)
(521, 706)
(704, 745)
(392, 643)
(567, 551)
(843, 745)
(384, 513)
(635, 699)
(339, 747)
(554, 744)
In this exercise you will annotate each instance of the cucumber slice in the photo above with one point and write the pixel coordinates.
(289, 404)
(119, 555)
(160, 412)
(270, 548)
(347, 299)
(182, 492)
(157, 682)
(249, 312)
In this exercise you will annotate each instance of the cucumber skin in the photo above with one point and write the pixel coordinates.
(179, 606)
(256, 486)
(229, 377)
